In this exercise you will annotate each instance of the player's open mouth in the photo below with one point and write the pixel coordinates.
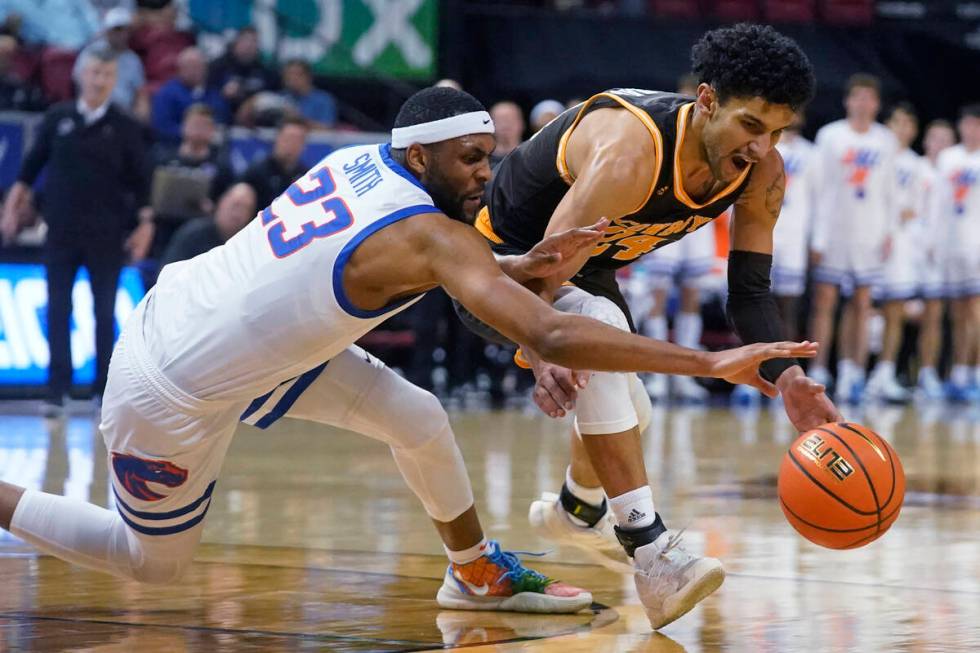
(740, 162)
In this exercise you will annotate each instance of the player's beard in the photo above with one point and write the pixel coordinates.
(445, 199)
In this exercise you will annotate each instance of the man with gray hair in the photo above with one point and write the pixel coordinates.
(93, 153)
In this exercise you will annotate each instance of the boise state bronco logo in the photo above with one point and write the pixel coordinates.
(963, 181)
(134, 473)
(861, 162)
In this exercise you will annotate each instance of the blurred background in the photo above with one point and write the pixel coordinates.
(237, 98)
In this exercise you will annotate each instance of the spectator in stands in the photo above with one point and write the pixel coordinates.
(317, 106)
(63, 24)
(15, 93)
(270, 176)
(130, 91)
(239, 73)
(544, 112)
(186, 179)
(158, 43)
(93, 153)
(235, 209)
(508, 119)
(187, 88)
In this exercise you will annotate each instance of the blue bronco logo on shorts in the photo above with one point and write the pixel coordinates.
(134, 473)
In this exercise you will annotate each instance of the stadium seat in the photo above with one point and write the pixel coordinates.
(847, 12)
(56, 67)
(675, 8)
(789, 11)
(735, 10)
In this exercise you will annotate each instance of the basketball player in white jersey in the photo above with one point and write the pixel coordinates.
(684, 265)
(262, 327)
(939, 135)
(958, 203)
(790, 238)
(851, 229)
(900, 277)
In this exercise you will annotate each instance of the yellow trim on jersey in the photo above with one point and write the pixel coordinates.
(644, 117)
(679, 191)
(484, 226)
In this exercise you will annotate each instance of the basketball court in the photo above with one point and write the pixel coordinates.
(314, 543)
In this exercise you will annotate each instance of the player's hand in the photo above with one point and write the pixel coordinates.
(806, 402)
(741, 365)
(549, 259)
(556, 387)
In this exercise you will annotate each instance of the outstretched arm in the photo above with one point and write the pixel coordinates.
(751, 307)
(461, 262)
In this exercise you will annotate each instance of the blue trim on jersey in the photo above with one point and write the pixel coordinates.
(173, 514)
(286, 402)
(348, 250)
(385, 150)
(256, 404)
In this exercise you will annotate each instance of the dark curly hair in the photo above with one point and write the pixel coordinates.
(435, 103)
(749, 60)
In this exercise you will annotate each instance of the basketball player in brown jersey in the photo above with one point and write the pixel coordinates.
(659, 166)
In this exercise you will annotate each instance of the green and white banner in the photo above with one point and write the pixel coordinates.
(367, 38)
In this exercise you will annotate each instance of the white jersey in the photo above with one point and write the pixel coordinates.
(856, 183)
(957, 199)
(799, 202)
(269, 304)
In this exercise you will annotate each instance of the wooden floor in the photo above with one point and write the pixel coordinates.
(313, 543)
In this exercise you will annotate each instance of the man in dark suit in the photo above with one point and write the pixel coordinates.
(93, 153)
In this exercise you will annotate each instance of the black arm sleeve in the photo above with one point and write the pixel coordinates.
(752, 309)
(39, 153)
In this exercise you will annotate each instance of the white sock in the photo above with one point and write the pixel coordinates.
(884, 370)
(928, 373)
(960, 376)
(687, 330)
(590, 495)
(845, 371)
(655, 327)
(467, 555)
(634, 509)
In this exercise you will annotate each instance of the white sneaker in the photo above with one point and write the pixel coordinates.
(671, 581)
(887, 388)
(656, 386)
(550, 520)
(930, 387)
(686, 388)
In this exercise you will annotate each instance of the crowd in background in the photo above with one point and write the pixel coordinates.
(865, 218)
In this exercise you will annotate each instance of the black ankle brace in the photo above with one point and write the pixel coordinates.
(579, 509)
(633, 539)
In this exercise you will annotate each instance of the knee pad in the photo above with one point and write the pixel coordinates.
(163, 561)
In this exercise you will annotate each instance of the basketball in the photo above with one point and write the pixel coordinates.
(841, 485)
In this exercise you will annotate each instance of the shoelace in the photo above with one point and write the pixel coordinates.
(516, 572)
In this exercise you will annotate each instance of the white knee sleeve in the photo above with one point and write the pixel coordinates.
(96, 538)
(605, 405)
(415, 425)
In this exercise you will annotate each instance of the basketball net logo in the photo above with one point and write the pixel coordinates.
(823, 455)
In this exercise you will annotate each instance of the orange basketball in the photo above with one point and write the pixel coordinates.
(841, 485)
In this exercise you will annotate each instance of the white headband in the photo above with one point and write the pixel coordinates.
(475, 122)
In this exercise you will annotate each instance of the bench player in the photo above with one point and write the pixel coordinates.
(262, 327)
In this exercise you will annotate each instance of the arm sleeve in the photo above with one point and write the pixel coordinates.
(40, 152)
(752, 308)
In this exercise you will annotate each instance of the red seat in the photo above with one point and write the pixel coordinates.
(790, 11)
(56, 67)
(848, 12)
(735, 10)
(675, 8)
